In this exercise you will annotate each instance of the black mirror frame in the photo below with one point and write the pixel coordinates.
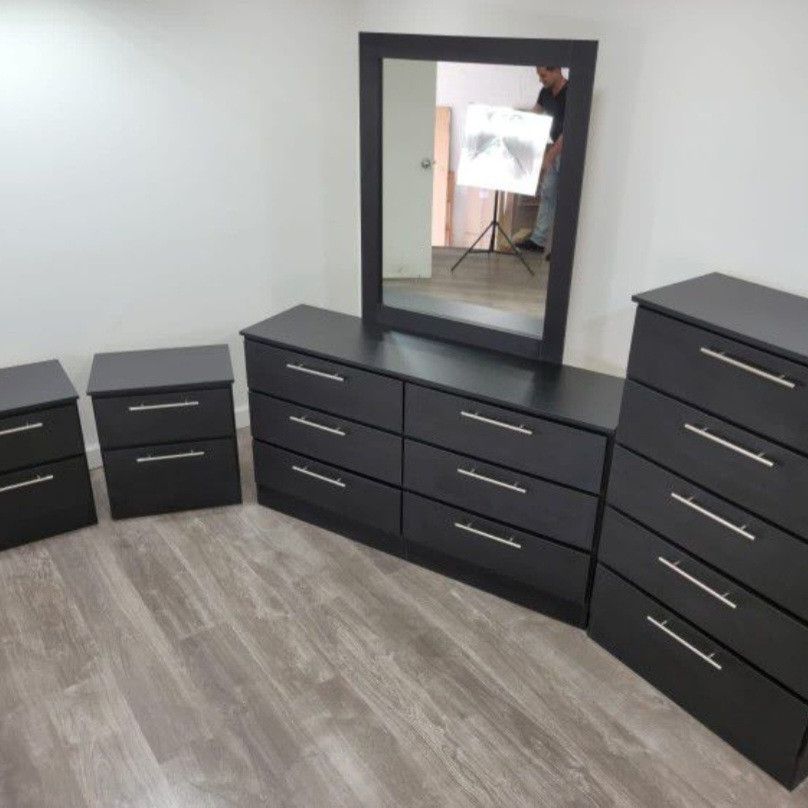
(580, 56)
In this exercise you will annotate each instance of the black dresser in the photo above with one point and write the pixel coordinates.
(702, 581)
(166, 429)
(485, 466)
(44, 480)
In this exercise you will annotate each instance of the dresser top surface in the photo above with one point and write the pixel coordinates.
(164, 369)
(765, 318)
(34, 386)
(568, 394)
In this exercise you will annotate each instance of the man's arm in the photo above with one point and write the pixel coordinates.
(552, 152)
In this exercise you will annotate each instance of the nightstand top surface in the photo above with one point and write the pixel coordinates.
(34, 386)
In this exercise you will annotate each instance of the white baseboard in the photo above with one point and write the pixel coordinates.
(94, 452)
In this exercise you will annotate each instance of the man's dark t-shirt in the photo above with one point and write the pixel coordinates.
(554, 105)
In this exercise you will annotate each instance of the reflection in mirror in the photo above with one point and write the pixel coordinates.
(471, 156)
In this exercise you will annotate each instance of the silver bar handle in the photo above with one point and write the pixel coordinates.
(24, 428)
(38, 480)
(475, 416)
(301, 368)
(674, 566)
(704, 432)
(178, 456)
(322, 477)
(477, 532)
(492, 481)
(690, 503)
(662, 625)
(332, 430)
(171, 405)
(736, 363)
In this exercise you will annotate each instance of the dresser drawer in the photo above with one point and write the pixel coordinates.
(324, 486)
(346, 391)
(560, 572)
(503, 495)
(766, 559)
(154, 418)
(755, 389)
(335, 440)
(172, 477)
(45, 500)
(767, 637)
(39, 436)
(565, 454)
(755, 715)
(764, 477)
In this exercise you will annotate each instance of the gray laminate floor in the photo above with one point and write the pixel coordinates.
(237, 657)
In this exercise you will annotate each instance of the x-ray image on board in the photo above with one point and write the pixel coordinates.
(503, 149)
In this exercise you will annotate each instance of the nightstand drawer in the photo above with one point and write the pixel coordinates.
(766, 559)
(560, 572)
(154, 418)
(543, 448)
(750, 387)
(770, 639)
(171, 477)
(506, 496)
(45, 500)
(344, 443)
(746, 469)
(326, 487)
(40, 436)
(762, 720)
(365, 397)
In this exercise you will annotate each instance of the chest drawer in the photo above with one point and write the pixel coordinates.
(761, 719)
(560, 572)
(346, 391)
(766, 559)
(755, 389)
(164, 417)
(744, 468)
(767, 637)
(39, 436)
(570, 456)
(44, 500)
(324, 486)
(510, 497)
(335, 440)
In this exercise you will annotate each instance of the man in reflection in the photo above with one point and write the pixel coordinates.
(552, 100)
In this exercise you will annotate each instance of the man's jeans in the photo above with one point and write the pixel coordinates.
(548, 193)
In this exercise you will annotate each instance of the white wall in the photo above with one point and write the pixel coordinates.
(171, 172)
(698, 152)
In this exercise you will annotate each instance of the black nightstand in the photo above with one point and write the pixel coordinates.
(166, 429)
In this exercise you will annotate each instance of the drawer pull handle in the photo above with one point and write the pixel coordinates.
(492, 481)
(300, 368)
(674, 566)
(23, 428)
(662, 625)
(736, 363)
(704, 432)
(477, 532)
(178, 456)
(322, 477)
(475, 416)
(38, 480)
(690, 503)
(170, 405)
(332, 430)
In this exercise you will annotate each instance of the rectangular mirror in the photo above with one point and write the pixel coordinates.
(472, 158)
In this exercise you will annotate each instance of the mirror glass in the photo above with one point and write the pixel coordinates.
(471, 156)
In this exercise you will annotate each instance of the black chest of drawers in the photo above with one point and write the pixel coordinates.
(44, 480)
(486, 467)
(702, 580)
(166, 429)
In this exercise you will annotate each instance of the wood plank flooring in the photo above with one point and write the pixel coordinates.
(238, 657)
